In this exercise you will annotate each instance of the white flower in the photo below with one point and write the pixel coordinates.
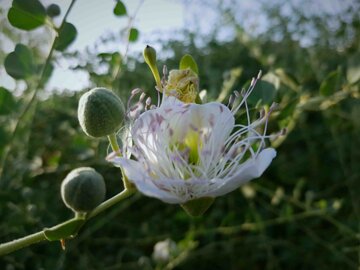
(190, 151)
(163, 250)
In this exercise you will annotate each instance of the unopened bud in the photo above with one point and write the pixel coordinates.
(83, 189)
(100, 112)
(150, 59)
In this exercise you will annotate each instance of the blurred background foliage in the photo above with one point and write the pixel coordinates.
(304, 212)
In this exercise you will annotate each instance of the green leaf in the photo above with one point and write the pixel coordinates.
(26, 14)
(67, 36)
(64, 230)
(187, 61)
(331, 83)
(353, 69)
(133, 35)
(7, 101)
(19, 63)
(264, 92)
(120, 9)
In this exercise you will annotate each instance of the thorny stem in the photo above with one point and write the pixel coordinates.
(14, 245)
(40, 236)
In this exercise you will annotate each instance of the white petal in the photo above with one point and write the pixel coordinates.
(217, 123)
(251, 169)
(152, 129)
(136, 174)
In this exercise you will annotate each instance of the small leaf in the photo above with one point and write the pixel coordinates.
(263, 92)
(133, 35)
(64, 230)
(7, 101)
(187, 61)
(19, 63)
(120, 9)
(27, 14)
(67, 36)
(331, 83)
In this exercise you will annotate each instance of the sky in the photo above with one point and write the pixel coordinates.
(95, 18)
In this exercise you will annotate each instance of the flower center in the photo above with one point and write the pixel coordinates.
(193, 143)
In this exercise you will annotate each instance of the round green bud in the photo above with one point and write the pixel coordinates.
(100, 112)
(83, 189)
(53, 10)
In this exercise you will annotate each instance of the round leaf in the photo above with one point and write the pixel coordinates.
(120, 9)
(19, 63)
(67, 36)
(7, 101)
(133, 35)
(27, 14)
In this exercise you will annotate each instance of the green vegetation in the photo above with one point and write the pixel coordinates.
(303, 213)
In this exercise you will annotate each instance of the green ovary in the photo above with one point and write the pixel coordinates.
(192, 142)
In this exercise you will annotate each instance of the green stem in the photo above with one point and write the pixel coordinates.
(114, 144)
(14, 245)
(21, 243)
(115, 147)
(110, 202)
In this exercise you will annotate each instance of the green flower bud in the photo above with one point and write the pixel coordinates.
(150, 59)
(197, 207)
(83, 189)
(150, 55)
(184, 84)
(100, 112)
(53, 10)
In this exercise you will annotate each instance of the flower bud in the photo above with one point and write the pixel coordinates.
(184, 84)
(83, 189)
(100, 112)
(150, 55)
(53, 10)
(150, 59)
(197, 207)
